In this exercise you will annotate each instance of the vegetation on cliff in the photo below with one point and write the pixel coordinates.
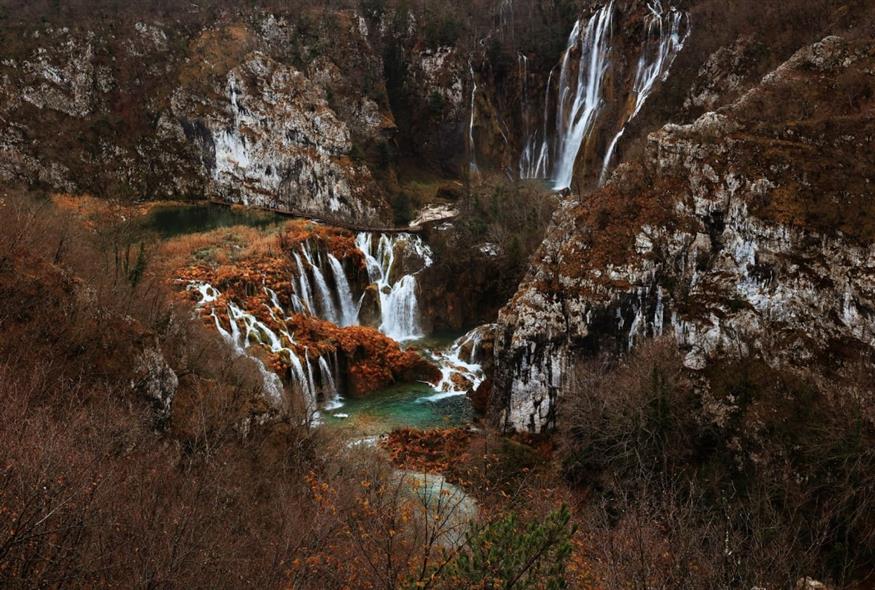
(101, 487)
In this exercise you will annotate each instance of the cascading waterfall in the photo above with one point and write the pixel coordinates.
(323, 300)
(579, 101)
(459, 364)
(523, 67)
(304, 293)
(348, 309)
(399, 308)
(665, 35)
(308, 390)
(273, 386)
(329, 386)
(579, 106)
(245, 331)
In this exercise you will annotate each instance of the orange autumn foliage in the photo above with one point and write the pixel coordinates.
(430, 451)
(369, 360)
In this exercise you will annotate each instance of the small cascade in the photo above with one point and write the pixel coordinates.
(348, 309)
(303, 293)
(523, 67)
(308, 391)
(506, 18)
(273, 385)
(246, 331)
(525, 116)
(535, 159)
(665, 35)
(399, 308)
(460, 371)
(330, 393)
(472, 148)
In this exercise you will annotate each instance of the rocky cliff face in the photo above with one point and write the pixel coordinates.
(315, 112)
(747, 232)
(248, 109)
(272, 140)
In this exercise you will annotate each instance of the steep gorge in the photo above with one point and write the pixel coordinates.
(728, 234)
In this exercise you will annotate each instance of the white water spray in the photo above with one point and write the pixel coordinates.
(246, 331)
(666, 33)
(399, 308)
(348, 310)
(579, 105)
(460, 370)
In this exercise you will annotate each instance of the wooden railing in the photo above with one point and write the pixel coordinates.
(328, 220)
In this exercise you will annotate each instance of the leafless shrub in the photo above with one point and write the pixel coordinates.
(777, 488)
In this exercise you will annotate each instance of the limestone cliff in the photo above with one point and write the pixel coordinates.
(246, 109)
(747, 232)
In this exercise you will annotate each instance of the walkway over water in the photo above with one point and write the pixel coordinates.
(332, 221)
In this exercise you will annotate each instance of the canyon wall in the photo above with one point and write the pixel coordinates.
(320, 112)
(746, 232)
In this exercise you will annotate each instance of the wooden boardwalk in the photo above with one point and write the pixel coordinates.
(328, 220)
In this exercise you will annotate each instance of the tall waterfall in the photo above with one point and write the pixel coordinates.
(579, 99)
(579, 103)
(472, 148)
(399, 308)
(665, 35)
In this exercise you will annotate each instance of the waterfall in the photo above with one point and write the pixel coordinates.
(348, 310)
(578, 107)
(245, 331)
(310, 381)
(400, 311)
(328, 311)
(325, 298)
(455, 365)
(320, 297)
(578, 102)
(472, 165)
(535, 159)
(308, 392)
(526, 157)
(305, 294)
(399, 308)
(665, 35)
(579, 98)
(329, 386)
(609, 155)
(272, 384)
